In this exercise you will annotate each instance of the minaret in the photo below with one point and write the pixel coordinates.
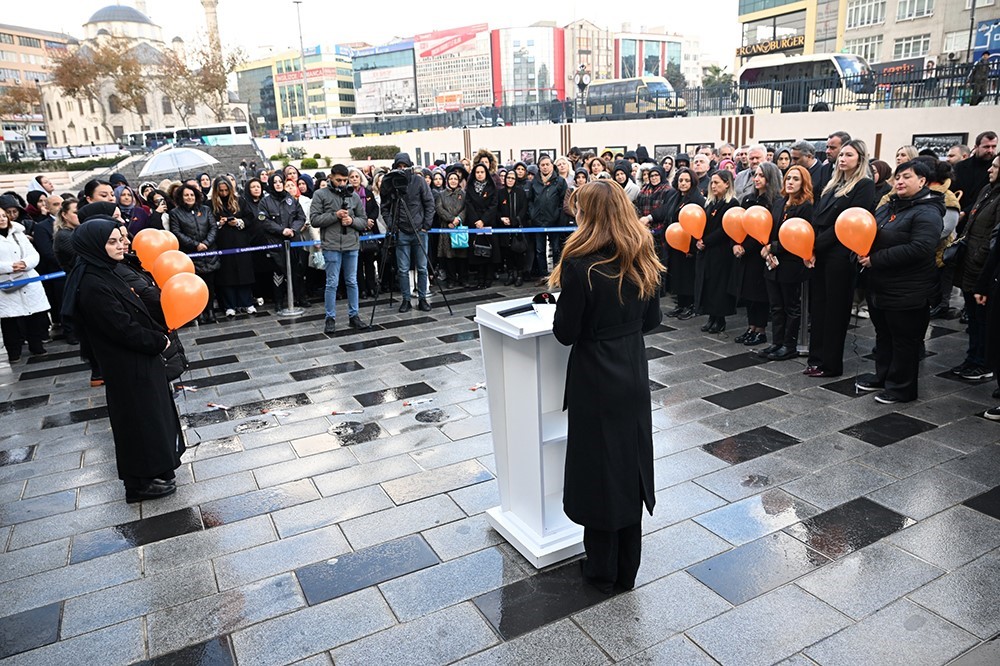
(212, 23)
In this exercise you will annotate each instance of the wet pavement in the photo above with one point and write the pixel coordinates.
(331, 510)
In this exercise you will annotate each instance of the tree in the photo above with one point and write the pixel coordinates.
(18, 104)
(212, 76)
(175, 81)
(716, 80)
(676, 78)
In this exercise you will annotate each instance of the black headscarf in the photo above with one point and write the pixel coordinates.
(89, 242)
(97, 209)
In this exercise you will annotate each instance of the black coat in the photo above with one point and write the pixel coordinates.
(42, 237)
(236, 269)
(989, 285)
(545, 201)
(746, 282)
(62, 245)
(513, 204)
(282, 211)
(482, 208)
(825, 214)
(980, 226)
(193, 226)
(790, 267)
(680, 265)
(609, 450)
(253, 219)
(714, 264)
(127, 343)
(903, 275)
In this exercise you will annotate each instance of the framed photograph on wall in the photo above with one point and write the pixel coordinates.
(614, 150)
(454, 157)
(587, 149)
(497, 154)
(661, 151)
(940, 143)
(692, 148)
(551, 152)
(528, 156)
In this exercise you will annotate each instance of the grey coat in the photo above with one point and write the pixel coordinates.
(323, 215)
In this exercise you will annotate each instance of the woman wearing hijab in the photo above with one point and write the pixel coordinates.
(235, 276)
(623, 176)
(128, 342)
(715, 256)
(22, 309)
(205, 183)
(512, 210)
(681, 265)
(196, 230)
(284, 220)
(783, 159)
(481, 212)
(667, 163)
(654, 203)
(609, 276)
(133, 215)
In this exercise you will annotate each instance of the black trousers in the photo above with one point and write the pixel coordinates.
(16, 330)
(757, 314)
(831, 295)
(613, 556)
(899, 336)
(786, 312)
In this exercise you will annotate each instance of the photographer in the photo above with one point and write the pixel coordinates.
(338, 212)
(408, 208)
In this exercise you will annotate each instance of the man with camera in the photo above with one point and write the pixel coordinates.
(338, 212)
(408, 208)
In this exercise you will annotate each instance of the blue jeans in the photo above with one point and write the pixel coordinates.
(347, 259)
(541, 256)
(405, 247)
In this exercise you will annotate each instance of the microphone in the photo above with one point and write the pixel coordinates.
(542, 298)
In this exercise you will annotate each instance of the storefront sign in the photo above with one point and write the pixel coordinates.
(772, 45)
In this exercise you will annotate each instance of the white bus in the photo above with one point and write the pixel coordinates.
(220, 134)
(819, 82)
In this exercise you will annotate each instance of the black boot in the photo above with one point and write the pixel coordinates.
(510, 279)
(519, 280)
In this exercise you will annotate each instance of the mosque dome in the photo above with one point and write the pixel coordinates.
(119, 14)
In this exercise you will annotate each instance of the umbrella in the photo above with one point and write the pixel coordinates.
(176, 160)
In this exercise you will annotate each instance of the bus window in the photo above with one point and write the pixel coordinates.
(242, 129)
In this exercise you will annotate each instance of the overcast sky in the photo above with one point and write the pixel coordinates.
(273, 22)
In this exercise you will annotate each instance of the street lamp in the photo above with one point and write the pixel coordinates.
(302, 66)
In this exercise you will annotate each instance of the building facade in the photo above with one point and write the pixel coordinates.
(529, 65)
(591, 47)
(255, 84)
(385, 79)
(453, 68)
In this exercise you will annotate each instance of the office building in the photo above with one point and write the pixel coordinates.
(453, 68)
(529, 65)
(385, 79)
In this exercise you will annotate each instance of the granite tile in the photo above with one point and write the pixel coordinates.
(678, 503)
(677, 438)
(848, 527)
(98, 543)
(478, 498)
(559, 642)
(257, 502)
(676, 547)
(448, 452)
(744, 396)
(193, 494)
(986, 653)
(927, 493)
(462, 537)
(677, 650)
(683, 466)
(908, 457)
(37, 507)
(888, 429)
(238, 462)
(120, 644)
(951, 538)
(366, 474)
(836, 484)
(754, 476)
(326, 370)
(32, 560)
(987, 502)
(981, 466)
(400, 521)
(435, 361)
(214, 652)
(371, 343)
(29, 629)
(329, 510)
(436, 481)
(170, 554)
(752, 518)
(269, 559)
(749, 445)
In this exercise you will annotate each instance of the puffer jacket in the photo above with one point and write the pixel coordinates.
(984, 216)
(30, 298)
(545, 201)
(903, 273)
(193, 226)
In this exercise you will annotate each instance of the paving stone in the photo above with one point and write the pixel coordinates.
(435, 481)
(34, 559)
(81, 520)
(238, 462)
(837, 484)
(91, 545)
(677, 650)
(683, 466)
(639, 619)
(120, 644)
(674, 439)
(276, 557)
(746, 635)
(206, 545)
(462, 537)
(439, 638)
(869, 579)
(424, 592)
(478, 498)
(72, 478)
(311, 630)
(968, 596)
(981, 466)
(30, 629)
(951, 538)
(434, 457)
(171, 628)
(677, 503)
(366, 474)
(329, 510)
(124, 602)
(559, 642)
(202, 492)
(749, 519)
(876, 640)
(738, 481)
(676, 547)
(908, 457)
(926, 493)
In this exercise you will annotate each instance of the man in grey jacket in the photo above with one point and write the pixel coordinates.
(340, 215)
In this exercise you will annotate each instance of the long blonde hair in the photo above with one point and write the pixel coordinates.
(607, 221)
(842, 184)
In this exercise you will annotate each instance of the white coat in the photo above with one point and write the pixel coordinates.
(30, 298)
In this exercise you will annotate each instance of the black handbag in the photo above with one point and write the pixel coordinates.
(483, 251)
(518, 244)
(174, 360)
(953, 253)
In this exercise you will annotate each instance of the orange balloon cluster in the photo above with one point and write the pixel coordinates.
(757, 222)
(692, 218)
(678, 238)
(174, 243)
(169, 264)
(797, 236)
(151, 243)
(183, 297)
(732, 224)
(855, 229)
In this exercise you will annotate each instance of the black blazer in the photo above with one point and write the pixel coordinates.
(830, 206)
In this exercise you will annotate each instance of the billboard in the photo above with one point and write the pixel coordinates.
(987, 39)
(385, 90)
(456, 41)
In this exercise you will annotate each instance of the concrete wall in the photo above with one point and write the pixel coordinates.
(883, 130)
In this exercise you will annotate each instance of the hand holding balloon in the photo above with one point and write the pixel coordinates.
(855, 229)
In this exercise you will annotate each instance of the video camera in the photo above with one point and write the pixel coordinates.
(395, 183)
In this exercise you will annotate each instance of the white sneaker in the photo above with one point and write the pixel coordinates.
(260, 302)
(251, 310)
(230, 312)
(863, 313)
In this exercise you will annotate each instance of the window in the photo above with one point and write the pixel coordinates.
(869, 48)
(48, 109)
(956, 41)
(30, 42)
(114, 106)
(166, 107)
(92, 109)
(979, 3)
(914, 46)
(79, 103)
(140, 106)
(12, 74)
(97, 135)
(913, 9)
(85, 136)
(119, 131)
(59, 110)
(64, 136)
(865, 12)
(9, 56)
(6, 38)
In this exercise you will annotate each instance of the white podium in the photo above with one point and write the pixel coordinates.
(525, 380)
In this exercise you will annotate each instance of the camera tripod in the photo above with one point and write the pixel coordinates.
(391, 241)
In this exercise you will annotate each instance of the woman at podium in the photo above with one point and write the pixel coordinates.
(610, 276)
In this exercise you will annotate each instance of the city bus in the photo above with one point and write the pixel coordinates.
(818, 82)
(220, 134)
(640, 97)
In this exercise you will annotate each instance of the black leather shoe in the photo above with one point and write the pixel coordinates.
(518, 281)
(405, 306)
(148, 491)
(330, 326)
(510, 279)
(783, 354)
(743, 337)
(708, 325)
(687, 314)
(423, 306)
(357, 322)
(675, 312)
(755, 339)
(768, 350)
(718, 327)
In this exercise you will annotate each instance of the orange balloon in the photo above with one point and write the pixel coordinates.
(855, 229)
(169, 264)
(692, 218)
(148, 245)
(174, 244)
(757, 222)
(678, 238)
(183, 298)
(797, 236)
(732, 224)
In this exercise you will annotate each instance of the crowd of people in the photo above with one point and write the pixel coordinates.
(367, 228)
